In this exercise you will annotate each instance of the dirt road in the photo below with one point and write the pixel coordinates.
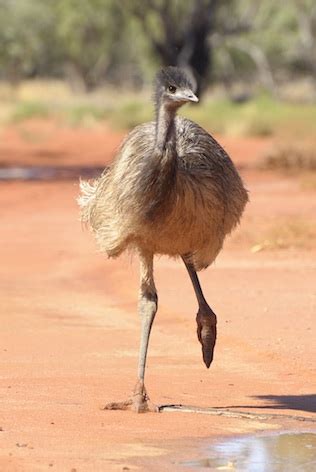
(69, 337)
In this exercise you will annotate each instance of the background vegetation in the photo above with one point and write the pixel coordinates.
(90, 43)
(253, 61)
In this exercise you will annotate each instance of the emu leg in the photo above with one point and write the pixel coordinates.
(147, 306)
(205, 319)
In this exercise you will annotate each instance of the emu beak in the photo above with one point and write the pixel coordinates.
(186, 96)
(192, 98)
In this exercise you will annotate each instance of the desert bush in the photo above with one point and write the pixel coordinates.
(26, 110)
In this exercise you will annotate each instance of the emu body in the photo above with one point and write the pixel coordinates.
(172, 190)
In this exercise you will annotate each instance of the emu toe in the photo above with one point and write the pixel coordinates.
(139, 402)
(206, 332)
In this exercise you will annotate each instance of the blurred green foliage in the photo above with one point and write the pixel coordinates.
(92, 42)
(89, 36)
(30, 109)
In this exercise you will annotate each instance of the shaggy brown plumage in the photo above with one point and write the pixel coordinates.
(172, 190)
(182, 204)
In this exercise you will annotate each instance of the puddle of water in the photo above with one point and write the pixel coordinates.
(286, 452)
(48, 172)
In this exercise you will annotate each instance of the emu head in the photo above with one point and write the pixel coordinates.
(173, 88)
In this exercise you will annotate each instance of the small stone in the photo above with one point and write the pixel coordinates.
(257, 248)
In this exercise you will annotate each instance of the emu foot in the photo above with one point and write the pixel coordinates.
(140, 402)
(206, 332)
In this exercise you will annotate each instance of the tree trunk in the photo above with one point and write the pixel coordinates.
(187, 47)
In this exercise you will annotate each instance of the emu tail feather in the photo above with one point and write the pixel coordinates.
(86, 199)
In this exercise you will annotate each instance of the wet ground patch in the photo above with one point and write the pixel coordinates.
(31, 173)
(281, 452)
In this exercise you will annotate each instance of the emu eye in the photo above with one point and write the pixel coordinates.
(172, 89)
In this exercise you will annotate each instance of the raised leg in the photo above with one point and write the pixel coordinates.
(205, 318)
(147, 306)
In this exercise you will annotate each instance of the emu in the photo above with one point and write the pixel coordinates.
(171, 190)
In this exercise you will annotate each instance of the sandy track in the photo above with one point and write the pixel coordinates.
(69, 338)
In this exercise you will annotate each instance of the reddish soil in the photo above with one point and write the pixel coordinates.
(38, 142)
(70, 329)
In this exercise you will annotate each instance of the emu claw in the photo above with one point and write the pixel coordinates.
(206, 332)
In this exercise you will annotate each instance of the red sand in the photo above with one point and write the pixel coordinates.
(70, 331)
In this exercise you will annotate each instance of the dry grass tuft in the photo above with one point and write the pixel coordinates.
(290, 157)
(291, 232)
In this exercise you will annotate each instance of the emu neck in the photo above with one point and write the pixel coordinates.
(159, 175)
(165, 128)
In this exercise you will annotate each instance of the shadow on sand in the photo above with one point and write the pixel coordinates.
(284, 402)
